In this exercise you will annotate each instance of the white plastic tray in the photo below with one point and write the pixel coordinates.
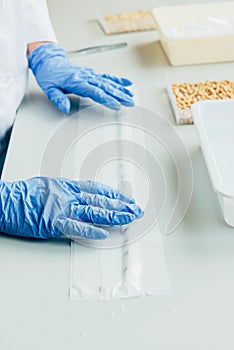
(183, 116)
(214, 121)
(197, 33)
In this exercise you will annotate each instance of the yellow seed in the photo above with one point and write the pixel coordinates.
(190, 120)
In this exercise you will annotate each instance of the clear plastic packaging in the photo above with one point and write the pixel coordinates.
(130, 262)
(133, 270)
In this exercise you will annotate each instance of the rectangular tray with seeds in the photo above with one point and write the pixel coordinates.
(183, 95)
(128, 22)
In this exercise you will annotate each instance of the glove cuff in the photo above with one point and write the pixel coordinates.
(5, 189)
(1, 202)
(43, 53)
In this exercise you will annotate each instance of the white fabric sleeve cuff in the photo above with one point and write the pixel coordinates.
(38, 24)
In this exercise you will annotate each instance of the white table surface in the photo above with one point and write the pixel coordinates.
(198, 313)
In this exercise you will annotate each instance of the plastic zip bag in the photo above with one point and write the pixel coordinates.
(126, 264)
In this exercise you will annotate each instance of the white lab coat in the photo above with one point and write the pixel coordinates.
(21, 22)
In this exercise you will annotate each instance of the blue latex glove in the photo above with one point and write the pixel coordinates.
(44, 207)
(57, 77)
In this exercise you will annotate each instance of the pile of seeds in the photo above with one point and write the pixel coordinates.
(188, 93)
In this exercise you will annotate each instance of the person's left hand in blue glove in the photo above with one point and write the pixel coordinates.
(58, 77)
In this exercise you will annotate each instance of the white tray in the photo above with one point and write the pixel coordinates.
(127, 22)
(182, 116)
(197, 33)
(214, 121)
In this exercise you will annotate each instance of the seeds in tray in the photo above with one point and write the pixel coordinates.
(128, 16)
(130, 22)
(188, 93)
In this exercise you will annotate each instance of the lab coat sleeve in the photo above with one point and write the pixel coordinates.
(37, 22)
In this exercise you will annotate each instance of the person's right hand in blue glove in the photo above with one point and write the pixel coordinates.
(44, 208)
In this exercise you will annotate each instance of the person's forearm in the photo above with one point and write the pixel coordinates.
(34, 45)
